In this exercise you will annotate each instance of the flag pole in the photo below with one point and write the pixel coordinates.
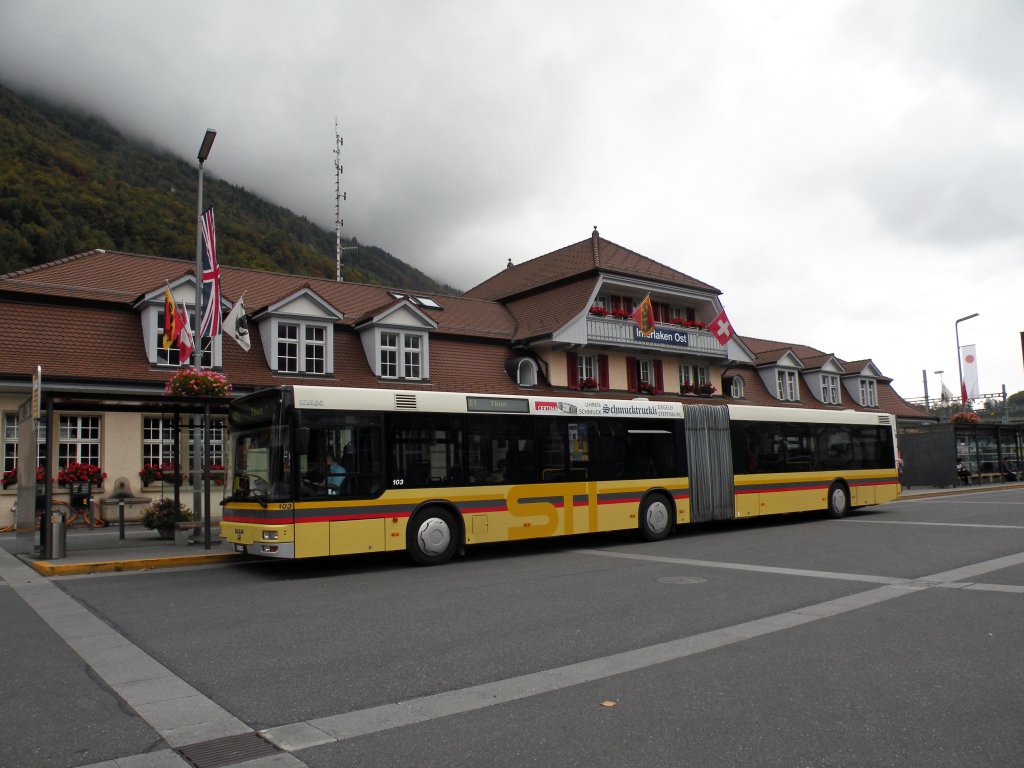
(197, 351)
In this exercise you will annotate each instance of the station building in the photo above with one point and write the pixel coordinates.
(555, 324)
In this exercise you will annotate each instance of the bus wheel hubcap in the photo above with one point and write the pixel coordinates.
(434, 536)
(657, 516)
(839, 500)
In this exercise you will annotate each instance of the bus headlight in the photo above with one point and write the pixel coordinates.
(270, 535)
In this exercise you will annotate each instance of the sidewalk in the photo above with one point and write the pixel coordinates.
(100, 551)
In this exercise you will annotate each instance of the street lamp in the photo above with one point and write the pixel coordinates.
(959, 363)
(197, 351)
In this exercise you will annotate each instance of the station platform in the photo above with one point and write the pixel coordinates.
(100, 550)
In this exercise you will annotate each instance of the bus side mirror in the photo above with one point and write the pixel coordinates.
(302, 440)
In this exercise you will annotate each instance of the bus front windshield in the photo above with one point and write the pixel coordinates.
(261, 466)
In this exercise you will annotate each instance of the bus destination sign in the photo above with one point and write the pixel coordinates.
(497, 405)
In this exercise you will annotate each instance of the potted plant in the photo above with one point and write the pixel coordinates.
(10, 478)
(192, 382)
(598, 311)
(621, 314)
(705, 389)
(588, 383)
(965, 418)
(644, 388)
(161, 515)
(687, 388)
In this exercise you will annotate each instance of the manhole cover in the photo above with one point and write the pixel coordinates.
(681, 580)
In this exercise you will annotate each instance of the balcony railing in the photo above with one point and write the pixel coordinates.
(667, 338)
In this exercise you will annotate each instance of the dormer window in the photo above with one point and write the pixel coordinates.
(830, 389)
(786, 386)
(301, 347)
(397, 339)
(736, 388)
(171, 356)
(868, 393)
(298, 334)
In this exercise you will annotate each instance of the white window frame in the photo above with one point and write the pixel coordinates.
(868, 393)
(402, 355)
(79, 440)
(694, 374)
(170, 357)
(218, 429)
(586, 367)
(157, 440)
(644, 372)
(412, 356)
(786, 385)
(304, 345)
(737, 388)
(830, 389)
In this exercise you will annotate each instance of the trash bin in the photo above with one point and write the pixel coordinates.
(58, 535)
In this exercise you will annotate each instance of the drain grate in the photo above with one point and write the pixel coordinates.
(227, 751)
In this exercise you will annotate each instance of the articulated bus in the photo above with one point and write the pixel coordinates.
(318, 471)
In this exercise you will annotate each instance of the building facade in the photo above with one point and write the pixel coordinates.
(554, 324)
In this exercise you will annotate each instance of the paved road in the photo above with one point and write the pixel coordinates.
(890, 638)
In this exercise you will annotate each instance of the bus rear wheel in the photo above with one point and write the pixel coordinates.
(838, 501)
(432, 537)
(655, 518)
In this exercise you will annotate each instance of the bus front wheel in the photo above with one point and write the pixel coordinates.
(432, 537)
(838, 501)
(655, 518)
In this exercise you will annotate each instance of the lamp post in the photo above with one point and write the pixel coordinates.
(959, 362)
(197, 351)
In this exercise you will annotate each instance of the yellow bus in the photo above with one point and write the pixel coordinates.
(320, 471)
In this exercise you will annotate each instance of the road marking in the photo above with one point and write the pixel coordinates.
(324, 730)
(172, 707)
(183, 716)
(941, 525)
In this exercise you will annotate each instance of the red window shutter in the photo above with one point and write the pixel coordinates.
(691, 313)
(659, 379)
(631, 374)
(572, 372)
(602, 372)
(616, 303)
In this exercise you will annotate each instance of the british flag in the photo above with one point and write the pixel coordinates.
(210, 326)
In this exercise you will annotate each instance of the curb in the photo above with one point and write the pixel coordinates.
(48, 568)
(960, 491)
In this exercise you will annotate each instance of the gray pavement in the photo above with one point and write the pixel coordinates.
(887, 638)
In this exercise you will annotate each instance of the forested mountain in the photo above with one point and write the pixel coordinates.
(70, 183)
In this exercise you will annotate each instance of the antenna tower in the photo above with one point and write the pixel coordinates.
(338, 196)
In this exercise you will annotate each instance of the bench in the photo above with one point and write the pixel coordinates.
(183, 531)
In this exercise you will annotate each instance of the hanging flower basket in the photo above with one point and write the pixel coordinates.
(190, 382)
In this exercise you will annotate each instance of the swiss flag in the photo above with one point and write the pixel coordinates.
(721, 328)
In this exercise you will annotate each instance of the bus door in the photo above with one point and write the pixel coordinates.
(709, 455)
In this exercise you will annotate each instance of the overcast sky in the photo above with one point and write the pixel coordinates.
(849, 174)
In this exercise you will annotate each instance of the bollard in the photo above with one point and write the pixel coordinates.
(120, 518)
(58, 536)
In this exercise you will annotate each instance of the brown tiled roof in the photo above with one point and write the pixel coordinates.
(541, 314)
(114, 277)
(577, 260)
